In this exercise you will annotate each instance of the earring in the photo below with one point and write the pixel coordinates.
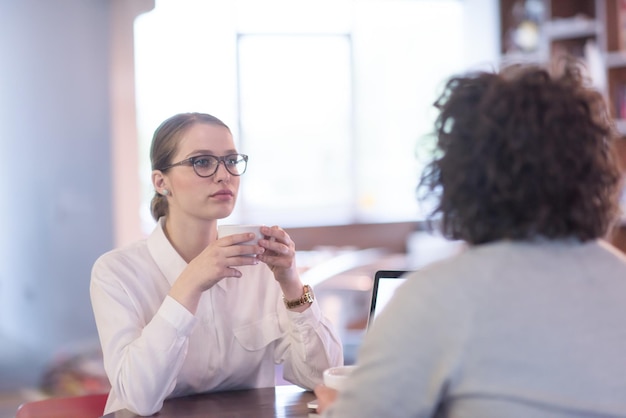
(165, 192)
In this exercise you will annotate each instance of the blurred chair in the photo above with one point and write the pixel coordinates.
(85, 406)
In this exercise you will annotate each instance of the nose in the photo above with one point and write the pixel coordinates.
(221, 174)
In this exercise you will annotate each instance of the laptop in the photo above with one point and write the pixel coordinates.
(385, 284)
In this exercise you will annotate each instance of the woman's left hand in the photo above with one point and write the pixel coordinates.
(280, 254)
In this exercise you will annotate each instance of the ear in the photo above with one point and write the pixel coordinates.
(158, 181)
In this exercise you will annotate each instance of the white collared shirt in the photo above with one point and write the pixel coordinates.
(154, 348)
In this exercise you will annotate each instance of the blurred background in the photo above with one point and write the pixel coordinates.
(331, 100)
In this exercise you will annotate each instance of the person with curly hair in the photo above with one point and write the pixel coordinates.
(529, 320)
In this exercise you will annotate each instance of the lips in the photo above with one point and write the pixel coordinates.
(222, 193)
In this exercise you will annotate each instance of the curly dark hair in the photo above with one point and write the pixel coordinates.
(523, 153)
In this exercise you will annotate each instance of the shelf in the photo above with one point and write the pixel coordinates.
(620, 125)
(615, 59)
(571, 28)
(524, 57)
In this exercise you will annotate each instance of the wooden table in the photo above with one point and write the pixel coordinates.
(281, 401)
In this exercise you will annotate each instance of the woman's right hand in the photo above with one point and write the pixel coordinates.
(216, 262)
(325, 397)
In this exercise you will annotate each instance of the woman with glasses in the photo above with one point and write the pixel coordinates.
(184, 312)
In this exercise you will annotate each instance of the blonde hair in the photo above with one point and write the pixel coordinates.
(165, 144)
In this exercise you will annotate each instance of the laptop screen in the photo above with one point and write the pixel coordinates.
(385, 284)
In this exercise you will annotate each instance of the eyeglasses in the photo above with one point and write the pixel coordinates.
(206, 165)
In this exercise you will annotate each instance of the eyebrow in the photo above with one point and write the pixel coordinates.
(209, 152)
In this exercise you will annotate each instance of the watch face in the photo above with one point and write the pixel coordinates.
(308, 293)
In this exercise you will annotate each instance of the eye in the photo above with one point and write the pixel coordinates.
(204, 161)
(232, 159)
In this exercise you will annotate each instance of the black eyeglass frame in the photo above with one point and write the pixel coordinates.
(192, 162)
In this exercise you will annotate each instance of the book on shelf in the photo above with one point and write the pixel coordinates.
(621, 24)
(620, 101)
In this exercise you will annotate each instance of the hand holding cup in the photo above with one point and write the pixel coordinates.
(226, 230)
(335, 379)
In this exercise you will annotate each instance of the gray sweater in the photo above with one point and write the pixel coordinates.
(506, 330)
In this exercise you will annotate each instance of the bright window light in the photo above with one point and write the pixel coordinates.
(331, 99)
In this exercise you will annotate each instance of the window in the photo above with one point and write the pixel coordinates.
(296, 121)
(331, 99)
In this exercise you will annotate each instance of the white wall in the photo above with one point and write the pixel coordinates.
(55, 173)
(482, 31)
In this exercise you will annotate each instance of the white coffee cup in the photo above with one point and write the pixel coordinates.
(336, 377)
(225, 230)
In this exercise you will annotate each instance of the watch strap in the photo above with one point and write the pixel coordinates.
(307, 297)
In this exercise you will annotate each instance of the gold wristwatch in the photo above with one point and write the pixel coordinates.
(307, 297)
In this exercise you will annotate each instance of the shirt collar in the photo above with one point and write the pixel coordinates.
(165, 256)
